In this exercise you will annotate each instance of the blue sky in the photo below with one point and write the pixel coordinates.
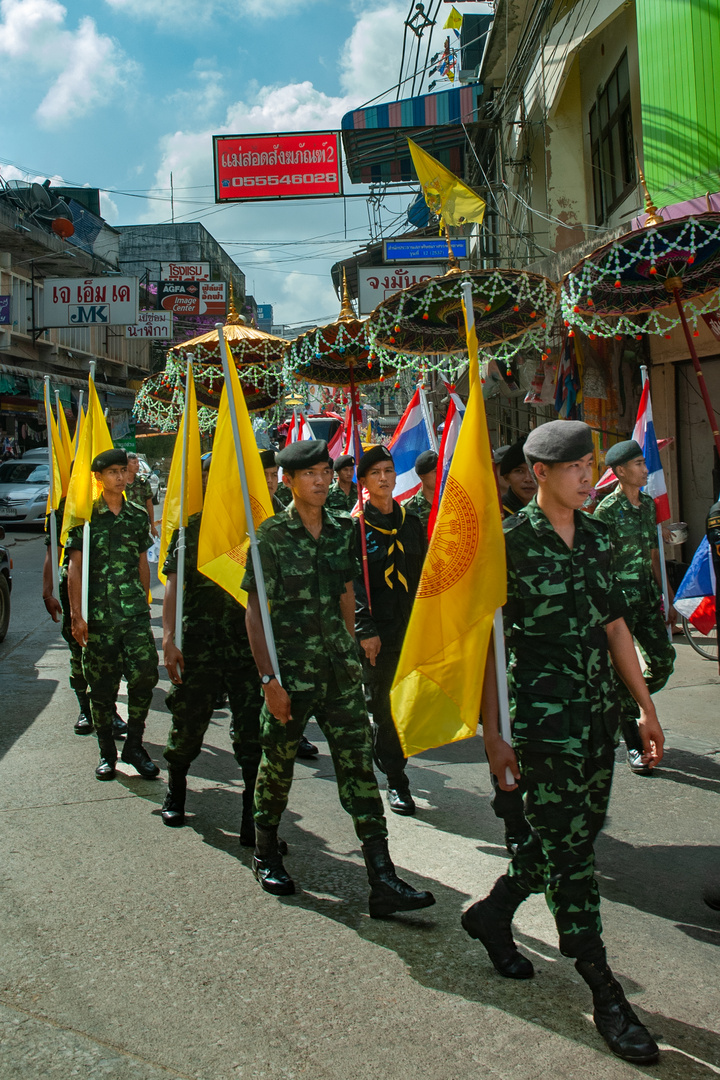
(118, 93)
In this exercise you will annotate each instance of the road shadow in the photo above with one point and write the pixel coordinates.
(27, 690)
(698, 770)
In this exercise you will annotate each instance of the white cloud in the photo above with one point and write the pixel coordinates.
(182, 15)
(83, 67)
(370, 60)
(304, 299)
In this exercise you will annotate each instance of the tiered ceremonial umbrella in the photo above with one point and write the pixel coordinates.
(246, 343)
(641, 283)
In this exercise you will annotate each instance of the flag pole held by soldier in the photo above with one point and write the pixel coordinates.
(53, 495)
(183, 515)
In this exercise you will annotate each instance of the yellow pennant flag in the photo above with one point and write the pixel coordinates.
(446, 195)
(224, 545)
(454, 20)
(437, 689)
(78, 431)
(193, 479)
(83, 489)
(64, 434)
(59, 465)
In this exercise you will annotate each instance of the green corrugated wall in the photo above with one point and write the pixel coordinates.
(679, 52)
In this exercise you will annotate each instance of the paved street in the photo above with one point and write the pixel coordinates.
(129, 950)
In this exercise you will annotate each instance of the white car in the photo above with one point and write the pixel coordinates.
(24, 486)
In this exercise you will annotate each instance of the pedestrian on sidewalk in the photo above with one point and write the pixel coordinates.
(564, 622)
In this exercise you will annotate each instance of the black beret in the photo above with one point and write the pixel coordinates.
(560, 440)
(343, 461)
(372, 456)
(513, 457)
(622, 452)
(268, 459)
(303, 455)
(426, 462)
(108, 458)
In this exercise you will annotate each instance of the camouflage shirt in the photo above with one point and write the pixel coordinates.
(338, 500)
(116, 543)
(559, 603)
(305, 579)
(62, 573)
(419, 505)
(283, 494)
(139, 492)
(633, 532)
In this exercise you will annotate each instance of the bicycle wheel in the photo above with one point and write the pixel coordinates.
(705, 644)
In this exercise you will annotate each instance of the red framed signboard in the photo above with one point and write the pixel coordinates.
(301, 165)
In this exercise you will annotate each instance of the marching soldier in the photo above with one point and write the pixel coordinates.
(308, 561)
(629, 514)
(343, 493)
(421, 502)
(138, 490)
(519, 478)
(564, 623)
(396, 545)
(117, 639)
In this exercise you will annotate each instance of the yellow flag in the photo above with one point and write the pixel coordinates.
(83, 489)
(437, 689)
(64, 434)
(224, 544)
(59, 463)
(193, 482)
(445, 194)
(472, 348)
(454, 20)
(78, 432)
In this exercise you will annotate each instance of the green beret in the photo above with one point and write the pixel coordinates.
(426, 462)
(560, 440)
(108, 458)
(343, 461)
(268, 459)
(622, 452)
(372, 456)
(513, 457)
(303, 455)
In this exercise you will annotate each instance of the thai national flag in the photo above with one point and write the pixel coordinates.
(453, 420)
(410, 439)
(299, 430)
(644, 435)
(695, 599)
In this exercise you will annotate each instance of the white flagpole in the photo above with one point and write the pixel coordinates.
(255, 554)
(180, 582)
(86, 530)
(57, 408)
(661, 542)
(498, 629)
(426, 417)
(53, 522)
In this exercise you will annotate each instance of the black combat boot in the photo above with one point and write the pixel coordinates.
(119, 727)
(388, 893)
(490, 922)
(614, 1018)
(399, 798)
(173, 808)
(83, 725)
(247, 824)
(267, 864)
(135, 754)
(108, 757)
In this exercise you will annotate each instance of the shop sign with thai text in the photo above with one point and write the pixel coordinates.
(151, 324)
(301, 165)
(99, 301)
(376, 283)
(176, 271)
(424, 250)
(192, 297)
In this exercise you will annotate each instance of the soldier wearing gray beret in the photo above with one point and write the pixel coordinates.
(558, 441)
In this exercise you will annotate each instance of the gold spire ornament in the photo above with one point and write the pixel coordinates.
(653, 217)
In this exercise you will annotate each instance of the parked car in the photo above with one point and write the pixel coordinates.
(24, 486)
(5, 587)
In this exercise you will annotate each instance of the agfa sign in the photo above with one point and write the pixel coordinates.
(101, 301)
(302, 165)
(192, 297)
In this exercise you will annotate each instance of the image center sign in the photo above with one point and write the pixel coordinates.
(301, 165)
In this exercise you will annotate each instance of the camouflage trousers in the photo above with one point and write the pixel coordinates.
(343, 720)
(566, 799)
(77, 676)
(113, 651)
(378, 679)
(216, 657)
(646, 624)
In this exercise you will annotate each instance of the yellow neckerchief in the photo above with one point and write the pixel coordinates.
(391, 549)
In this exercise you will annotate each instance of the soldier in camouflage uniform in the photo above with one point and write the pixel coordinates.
(629, 514)
(138, 490)
(421, 502)
(117, 639)
(564, 622)
(343, 493)
(518, 476)
(60, 610)
(308, 562)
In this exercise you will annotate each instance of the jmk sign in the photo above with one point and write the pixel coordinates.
(101, 301)
(304, 165)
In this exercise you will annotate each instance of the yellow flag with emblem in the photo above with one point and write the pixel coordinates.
(446, 195)
(454, 20)
(59, 465)
(437, 688)
(224, 545)
(84, 489)
(193, 481)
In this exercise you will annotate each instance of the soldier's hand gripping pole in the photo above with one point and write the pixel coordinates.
(254, 552)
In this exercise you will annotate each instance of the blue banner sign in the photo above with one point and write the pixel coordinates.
(424, 250)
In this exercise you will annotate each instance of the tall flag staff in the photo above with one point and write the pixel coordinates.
(183, 509)
(427, 418)
(644, 434)
(250, 524)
